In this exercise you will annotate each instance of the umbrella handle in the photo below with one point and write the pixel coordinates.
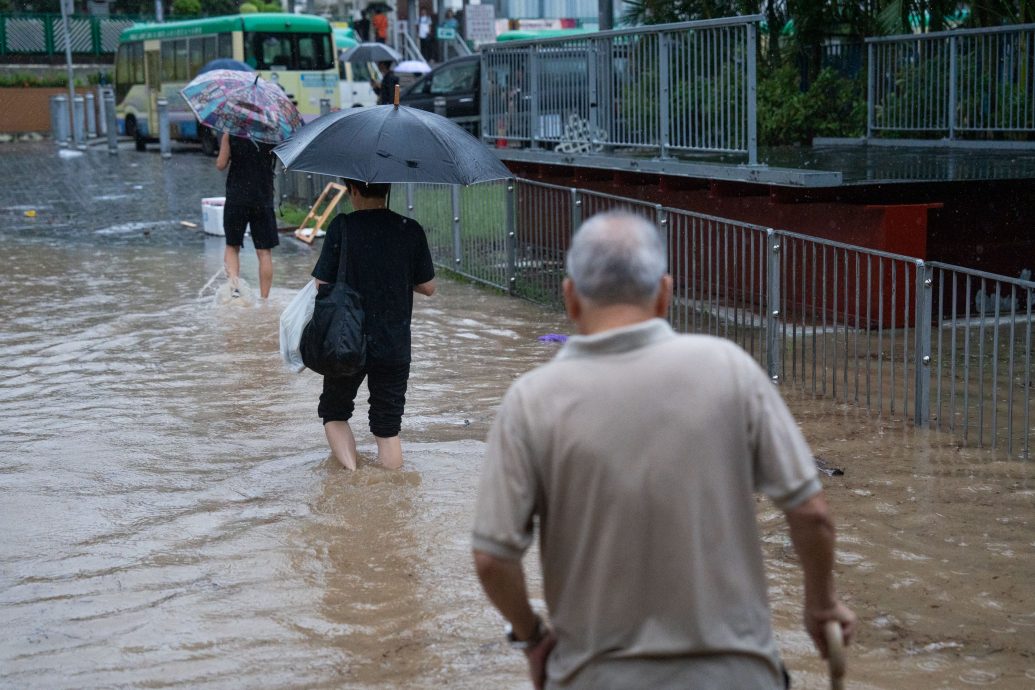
(397, 92)
(834, 636)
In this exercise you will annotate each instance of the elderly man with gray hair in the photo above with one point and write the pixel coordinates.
(638, 451)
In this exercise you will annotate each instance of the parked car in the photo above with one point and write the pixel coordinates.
(450, 89)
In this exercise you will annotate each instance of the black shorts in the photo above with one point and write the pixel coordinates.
(387, 386)
(263, 224)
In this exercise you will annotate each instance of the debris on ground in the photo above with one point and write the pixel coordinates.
(828, 469)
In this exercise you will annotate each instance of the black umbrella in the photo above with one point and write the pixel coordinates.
(388, 143)
(371, 52)
(379, 7)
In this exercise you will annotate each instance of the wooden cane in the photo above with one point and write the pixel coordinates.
(835, 654)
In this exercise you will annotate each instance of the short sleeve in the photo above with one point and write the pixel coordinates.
(326, 268)
(507, 488)
(784, 468)
(423, 267)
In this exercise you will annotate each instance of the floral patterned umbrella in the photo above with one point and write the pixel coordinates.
(242, 104)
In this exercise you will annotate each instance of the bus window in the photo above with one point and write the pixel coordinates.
(168, 62)
(209, 51)
(314, 52)
(268, 51)
(226, 46)
(181, 59)
(136, 58)
(197, 57)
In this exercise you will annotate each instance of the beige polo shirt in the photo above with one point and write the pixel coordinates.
(638, 450)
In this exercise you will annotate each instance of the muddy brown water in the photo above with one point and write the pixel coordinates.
(170, 518)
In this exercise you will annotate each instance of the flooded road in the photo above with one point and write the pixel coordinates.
(170, 516)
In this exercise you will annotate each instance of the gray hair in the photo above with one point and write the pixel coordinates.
(616, 258)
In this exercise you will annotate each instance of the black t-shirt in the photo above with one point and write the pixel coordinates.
(249, 180)
(386, 94)
(387, 255)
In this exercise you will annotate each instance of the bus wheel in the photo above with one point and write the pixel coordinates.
(208, 143)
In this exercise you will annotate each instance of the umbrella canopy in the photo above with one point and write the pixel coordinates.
(371, 52)
(412, 67)
(379, 7)
(226, 63)
(386, 144)
(242, 104)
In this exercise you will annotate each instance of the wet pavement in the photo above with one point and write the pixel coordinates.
(170, 516)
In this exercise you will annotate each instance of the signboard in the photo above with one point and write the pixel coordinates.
(447, 33)
(480, 23)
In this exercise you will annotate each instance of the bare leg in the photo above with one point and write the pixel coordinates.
(232, 262)
(389, 452)
(342, 443)
(265, 271)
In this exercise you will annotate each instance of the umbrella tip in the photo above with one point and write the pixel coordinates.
(397, 90)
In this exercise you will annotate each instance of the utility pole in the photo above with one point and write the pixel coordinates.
(66, 8)
(607, 14)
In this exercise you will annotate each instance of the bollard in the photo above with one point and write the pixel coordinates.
(79, 121)
(163, 128)
(102, 114)
(325, 106)
(57, 124)
(64, 130)
(111, 126)
(91, 116)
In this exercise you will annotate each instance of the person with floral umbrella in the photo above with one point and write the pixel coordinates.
(253, 115)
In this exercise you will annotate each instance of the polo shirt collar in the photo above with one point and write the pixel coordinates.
(617, 340)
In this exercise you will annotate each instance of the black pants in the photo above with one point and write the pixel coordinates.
(387, 386)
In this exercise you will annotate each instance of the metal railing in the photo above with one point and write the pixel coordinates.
(959, 83)
(687, 87)
(44, 34)
(936, 344)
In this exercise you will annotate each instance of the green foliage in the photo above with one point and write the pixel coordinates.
(247, 8)
(832, 107)
(186, 8)
(28, 80)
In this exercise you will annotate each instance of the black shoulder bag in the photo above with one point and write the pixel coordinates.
(333, 343)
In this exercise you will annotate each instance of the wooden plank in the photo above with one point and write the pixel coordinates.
(306, 232)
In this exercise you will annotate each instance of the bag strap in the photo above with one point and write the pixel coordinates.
(342, 254)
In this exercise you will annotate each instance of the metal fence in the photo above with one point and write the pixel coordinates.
(44, 34)
(953, 83)
(686, 87)
(937, 344)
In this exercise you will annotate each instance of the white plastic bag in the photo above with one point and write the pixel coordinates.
(293, 319)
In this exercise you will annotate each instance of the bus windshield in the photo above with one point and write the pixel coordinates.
(288, 51)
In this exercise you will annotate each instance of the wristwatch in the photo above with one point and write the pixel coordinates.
(538, 633)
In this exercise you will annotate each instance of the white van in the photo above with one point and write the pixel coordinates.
(356, 91)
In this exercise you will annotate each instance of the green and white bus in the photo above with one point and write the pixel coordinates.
(157, 60)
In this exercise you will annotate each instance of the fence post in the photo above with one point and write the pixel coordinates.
(112, 127)
(871, 95)
(511, 228)
(752, 97)
(533, 96)
(594, 96)
(772, 305)
(922, 343)
(457, 246)
(953, 69)
(576, 210)
(164, 142)
(102, 114)
(664, 94)
(661, 218)
(3, 36)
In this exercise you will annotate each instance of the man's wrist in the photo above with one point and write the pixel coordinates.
(527, 641)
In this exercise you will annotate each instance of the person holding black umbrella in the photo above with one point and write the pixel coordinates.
(387, 260)
(385, 90)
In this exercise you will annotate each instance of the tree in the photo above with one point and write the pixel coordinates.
(186, 8)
